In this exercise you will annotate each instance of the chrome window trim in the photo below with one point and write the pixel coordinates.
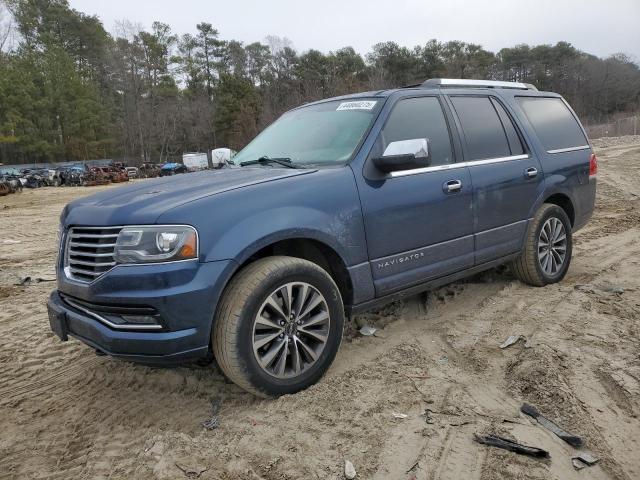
(115, 326)
(453, 166)
(569, 149)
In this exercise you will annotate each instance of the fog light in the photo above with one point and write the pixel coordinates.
(140, 319)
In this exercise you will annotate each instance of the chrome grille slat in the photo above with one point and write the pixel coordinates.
(85, 272)
(92, 245)
(91, 264)
(93, 235)
(89, 252)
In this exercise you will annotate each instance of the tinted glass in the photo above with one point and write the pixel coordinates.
(420, 118)
(515, 144)
(322, 134)
(553, 122)
(482, 128)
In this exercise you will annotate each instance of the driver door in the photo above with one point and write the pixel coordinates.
(418, 222)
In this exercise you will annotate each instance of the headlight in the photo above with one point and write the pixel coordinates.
(156, 244)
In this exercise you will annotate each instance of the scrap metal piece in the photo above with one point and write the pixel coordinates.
(506, 444)
(533, 412)
(586, 458)
(578, 464)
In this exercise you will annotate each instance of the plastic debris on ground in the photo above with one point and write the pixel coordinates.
(512, 340)
(533, 412)
(368, 330)
(506, 444)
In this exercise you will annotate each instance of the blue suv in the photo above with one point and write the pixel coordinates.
(339, 206)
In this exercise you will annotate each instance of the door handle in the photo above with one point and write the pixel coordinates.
(452, 186)
(531, 172)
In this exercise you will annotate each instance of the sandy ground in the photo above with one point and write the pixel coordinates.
(67, 413)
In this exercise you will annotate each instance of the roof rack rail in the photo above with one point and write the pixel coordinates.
(468, 83)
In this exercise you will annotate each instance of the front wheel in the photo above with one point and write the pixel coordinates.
(548, 246)
(279, 326)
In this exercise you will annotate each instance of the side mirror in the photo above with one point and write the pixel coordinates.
(404, 155)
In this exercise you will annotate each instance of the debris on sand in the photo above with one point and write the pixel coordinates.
(368, 330)
(28, 281)
(349, 470)
(212, 422)
(585, 459)
(399, 416)
(427, 416)
(614, 289)
(533, 412)
(512, 340)
(191, 472)
(505, 443)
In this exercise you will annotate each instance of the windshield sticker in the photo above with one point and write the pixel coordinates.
(361, 105)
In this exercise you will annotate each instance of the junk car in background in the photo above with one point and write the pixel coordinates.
(149, 170)
(169, 169)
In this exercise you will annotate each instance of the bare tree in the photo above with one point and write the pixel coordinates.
(7, 30)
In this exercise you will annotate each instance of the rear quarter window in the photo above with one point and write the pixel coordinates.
(553, 122)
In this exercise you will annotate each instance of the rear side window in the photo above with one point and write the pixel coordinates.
(482, 128)
(515, 144)
(553, 122)
(420, 118)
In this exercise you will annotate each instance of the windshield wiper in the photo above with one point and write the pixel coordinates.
(284, 161)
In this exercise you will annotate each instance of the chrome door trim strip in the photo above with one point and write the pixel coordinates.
(570, 149)
(453, 166)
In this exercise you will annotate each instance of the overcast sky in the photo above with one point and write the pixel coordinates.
(600, 27)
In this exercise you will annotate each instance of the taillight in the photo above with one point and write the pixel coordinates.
(593, 164)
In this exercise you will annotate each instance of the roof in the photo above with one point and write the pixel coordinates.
(438, 83)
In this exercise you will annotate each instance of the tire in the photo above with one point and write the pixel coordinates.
(236, 326)
(531, 267)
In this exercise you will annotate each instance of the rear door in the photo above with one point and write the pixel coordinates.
(418, 227)
(506, 175)
(565, 152)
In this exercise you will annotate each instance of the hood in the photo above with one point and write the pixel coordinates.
(144, 202)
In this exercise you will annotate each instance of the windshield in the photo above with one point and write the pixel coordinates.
(321, 134)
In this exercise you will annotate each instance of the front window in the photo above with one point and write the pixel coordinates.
(318, 135)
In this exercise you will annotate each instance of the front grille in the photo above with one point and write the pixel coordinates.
(89, 252)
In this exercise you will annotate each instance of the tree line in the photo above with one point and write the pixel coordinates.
(69, 90)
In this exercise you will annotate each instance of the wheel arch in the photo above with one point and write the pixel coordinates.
(306, 247)
(563, 201)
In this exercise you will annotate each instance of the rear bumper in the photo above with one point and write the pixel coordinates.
(184, 296)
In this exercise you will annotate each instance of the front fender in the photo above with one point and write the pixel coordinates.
(322, 206)
(284, 223)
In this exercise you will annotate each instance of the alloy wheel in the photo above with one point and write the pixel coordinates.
(552, 246)
(291, 330)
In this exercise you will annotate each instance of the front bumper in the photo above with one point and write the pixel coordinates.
(184, 295)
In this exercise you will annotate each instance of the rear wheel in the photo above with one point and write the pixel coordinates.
(279, 326)
(546, 256)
